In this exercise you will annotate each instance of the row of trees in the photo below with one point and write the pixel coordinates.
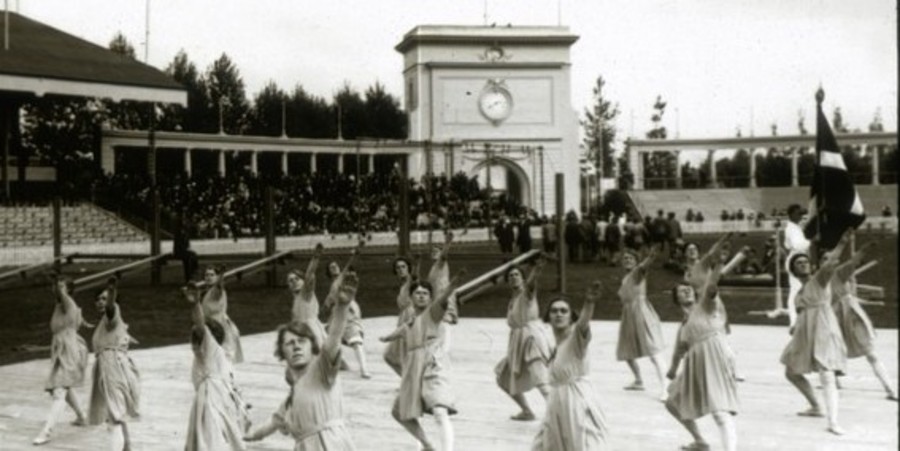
(773, 166)
(65, 132)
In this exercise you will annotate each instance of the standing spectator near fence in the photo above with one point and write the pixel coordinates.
(613, 240)
(589, 245)
(674, 236)
(523, 235)
(574, 237)
(659, 230)
(506, 235)
(600, 228)
(548, 235)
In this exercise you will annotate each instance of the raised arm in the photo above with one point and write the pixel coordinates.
(642, 267)
(113, 294)
(583, 324)
(531, 281)
(740, 256)
(832, 258)
(63, 297)
(341, 299)
(711, 289)
(439, 306)
(713, 255)
(445, 251)
(197, 318)
(309, 278)
(395, 335)
(845, 270)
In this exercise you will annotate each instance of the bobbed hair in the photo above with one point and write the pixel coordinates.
(215, 328)
(300, 329)
(573, 315)
(423, 284)
(510, 270)
(675, 291)
(793, 259)
(297, 273)
(404, 260)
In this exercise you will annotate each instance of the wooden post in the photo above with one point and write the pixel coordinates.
(403, 227)
(155, 270)
(57, 231)
(269, 217)
(560, 231)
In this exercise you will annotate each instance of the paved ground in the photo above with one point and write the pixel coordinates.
(638, 421)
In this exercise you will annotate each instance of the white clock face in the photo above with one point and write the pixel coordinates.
(495, 104)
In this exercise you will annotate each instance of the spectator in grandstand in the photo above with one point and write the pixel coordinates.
(725, 216)
(739, 215)
(659, 229)
(548, 235)
(505, 232)
(768, 257)
(689, 216)
(523, 234)
(574, 237)
(674, 235)
(886, 211)
(181, 247)
(636, 234)
(698, 217)
(600, 230)
(613, 237)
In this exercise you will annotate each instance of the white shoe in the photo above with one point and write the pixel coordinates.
(42, 438)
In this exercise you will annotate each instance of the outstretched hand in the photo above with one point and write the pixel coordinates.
(347, 290)
(189, 295)
(592, 295)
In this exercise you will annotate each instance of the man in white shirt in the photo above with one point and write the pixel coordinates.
(794, 242)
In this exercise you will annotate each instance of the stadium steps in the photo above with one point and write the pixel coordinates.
(81, 224)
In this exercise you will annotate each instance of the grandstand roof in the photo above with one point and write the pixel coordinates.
(39, 59)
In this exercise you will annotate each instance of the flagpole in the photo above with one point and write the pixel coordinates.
(820, 198)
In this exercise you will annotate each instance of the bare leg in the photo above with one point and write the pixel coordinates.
(127, 438)
(545, 390)
(526, 414)
(413, 427)
(690, 425)
(56, 408)
(361, 358)
(638, 383)
(831, 401)
(116, 437)
(443, 420)
(72, 400)
(806, 390)
(663, 394)
(881, 374)
(727, 429)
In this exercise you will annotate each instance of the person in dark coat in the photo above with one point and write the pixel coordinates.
(523, 237)
(574, 237)
(506, 235)
(181, 247)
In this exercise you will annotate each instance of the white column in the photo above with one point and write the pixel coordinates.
(752, 168)
(284, 163)
(795, 178)
(222, 163)
(371, 163)
(254, 162)
(187, 162)
(713, 178)
(108, 158)
(875, 168)
(312, 162)
(340, 163)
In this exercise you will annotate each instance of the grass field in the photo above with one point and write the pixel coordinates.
(158, 316)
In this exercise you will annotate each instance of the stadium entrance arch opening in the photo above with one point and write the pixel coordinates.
(506, 177)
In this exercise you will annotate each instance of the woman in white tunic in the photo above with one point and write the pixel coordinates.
(856, 327)
(116, 388)
(396, 350)
(353, 331)
(573, 421)
(302, 286)
(425, 386)
(313, 413)
(215, 307)
(216, 420)
(68, 358)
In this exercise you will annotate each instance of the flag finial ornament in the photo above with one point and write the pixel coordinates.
(820, 95)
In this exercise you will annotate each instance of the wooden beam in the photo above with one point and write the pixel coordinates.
(99, 278)
(23, 271)
(252, 267)
(471, 288)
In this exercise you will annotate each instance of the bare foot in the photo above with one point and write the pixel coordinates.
(635, 386)
(696, 446)
(836, 430)
(523, 416)
(811, 412)
(42, 438)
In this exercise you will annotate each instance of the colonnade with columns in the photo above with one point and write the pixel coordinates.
(870, 143)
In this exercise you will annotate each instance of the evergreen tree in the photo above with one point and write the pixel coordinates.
(599, 129)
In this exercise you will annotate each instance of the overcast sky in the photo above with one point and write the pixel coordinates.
(721, 64)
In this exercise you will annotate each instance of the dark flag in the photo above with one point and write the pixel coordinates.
(834, 204)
